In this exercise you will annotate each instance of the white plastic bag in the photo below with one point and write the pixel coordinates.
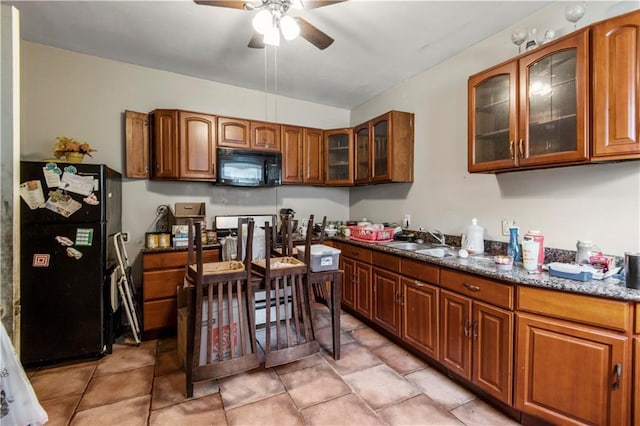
(19, 405)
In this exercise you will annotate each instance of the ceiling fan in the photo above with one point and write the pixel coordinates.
(272, 19)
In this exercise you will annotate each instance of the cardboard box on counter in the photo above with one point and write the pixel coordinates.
(186, 211)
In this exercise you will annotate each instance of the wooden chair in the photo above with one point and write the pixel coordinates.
(223, 344)
(286, 284)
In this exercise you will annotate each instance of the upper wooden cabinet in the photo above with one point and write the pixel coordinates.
(233, 133)
(265, 136)
(533, 111)
(384, 149)
(338, 157)
(292, 154)
(616, 88)
(313, 156)
(136, 144)
(182, 145)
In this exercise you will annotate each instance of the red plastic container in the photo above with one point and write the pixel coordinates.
(363, 233)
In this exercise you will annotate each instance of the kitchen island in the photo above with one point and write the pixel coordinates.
(537, 346)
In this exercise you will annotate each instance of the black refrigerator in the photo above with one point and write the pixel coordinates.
(68, 215)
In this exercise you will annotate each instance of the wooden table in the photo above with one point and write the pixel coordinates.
(335, 280)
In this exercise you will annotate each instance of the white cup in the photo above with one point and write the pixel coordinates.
(530, 255)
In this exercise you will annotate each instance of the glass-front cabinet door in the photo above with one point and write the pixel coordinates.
(554, 103)
(362, 162)
(493, 119)
(339, 154)
(380, 149)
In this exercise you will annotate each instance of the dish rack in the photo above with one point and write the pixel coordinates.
(368, 235)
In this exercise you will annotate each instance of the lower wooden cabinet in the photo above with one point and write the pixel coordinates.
(356, 286)
(477, 343)
(162, 273)
(387, 300)
(420, 316)
(572, 374)
(636, 381)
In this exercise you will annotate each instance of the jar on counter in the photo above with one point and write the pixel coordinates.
(151, 240)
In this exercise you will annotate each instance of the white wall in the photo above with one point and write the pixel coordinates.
(81, 96)
(596, 202)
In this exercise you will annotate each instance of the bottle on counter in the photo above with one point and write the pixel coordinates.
(513, 249)
(474, 239)
(536, 236)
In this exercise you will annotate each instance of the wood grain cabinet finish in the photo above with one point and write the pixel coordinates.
(636, 381)
(162, 273)
(136, 145)
(387, 300)
(234, 133)
(476, 342)
(572, 374)
(357, 285)
(183, 145)
(338, 157)
(384, 149)
(313, 156)
(265, 136)
(616, 88)
(521, 92)
(292, 154)
(420, 319)
(164, 144)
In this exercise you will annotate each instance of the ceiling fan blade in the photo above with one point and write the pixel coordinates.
(314, 4)
(312, 34)
(257, 41)
(232, 4)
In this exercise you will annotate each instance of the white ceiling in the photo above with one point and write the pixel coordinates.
(377, 43)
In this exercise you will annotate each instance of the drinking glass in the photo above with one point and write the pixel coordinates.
(574, 12)
(518, 37)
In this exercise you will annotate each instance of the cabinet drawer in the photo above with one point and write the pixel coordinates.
(638, 322)
(576, 307)
(160, 314)
(386, 261)
(175, 259)
(478, 288)
(420, 271)
(161, 284)
(358, 253)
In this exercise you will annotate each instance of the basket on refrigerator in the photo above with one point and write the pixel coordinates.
(370, 235)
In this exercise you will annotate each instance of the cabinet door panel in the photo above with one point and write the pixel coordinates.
(616, 96)
(165, 144)
(291, 149)
(420, 316)
(554, 103)
(313, 156)
(380, 149)
(636, 382)
(455, 337)
(361, 134)
(349, 282)
(364, 286)
(386, 297)
(161, 284)
(137, 144)
(233, 133)
(338, 158)
(265, 136)
(492, 334)
(567, 373)
(197, 146)
(160, 314)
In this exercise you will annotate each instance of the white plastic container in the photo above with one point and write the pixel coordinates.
(474, 239)
(323, 258)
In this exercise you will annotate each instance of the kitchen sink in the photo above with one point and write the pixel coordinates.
(407, 246)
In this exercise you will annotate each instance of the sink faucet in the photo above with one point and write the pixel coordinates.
(438, 235)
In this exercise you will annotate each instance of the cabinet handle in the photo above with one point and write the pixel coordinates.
(513, 157)
(521, 148)
(213, 167)
(471, 287)
(475, 330)
(618, 373)
(466, 328)
(419, 284)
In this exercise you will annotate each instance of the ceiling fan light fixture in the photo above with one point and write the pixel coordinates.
(289, 28)
(263, 22)
(272, 37)
(296, 4)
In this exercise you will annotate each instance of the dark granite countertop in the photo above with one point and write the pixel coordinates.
(483, 265)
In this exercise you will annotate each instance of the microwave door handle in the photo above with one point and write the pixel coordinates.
(266, 171)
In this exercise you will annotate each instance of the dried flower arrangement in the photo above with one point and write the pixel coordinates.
(65, 145)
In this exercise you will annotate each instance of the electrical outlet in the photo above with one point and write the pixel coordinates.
(506, 223)
(125, 237)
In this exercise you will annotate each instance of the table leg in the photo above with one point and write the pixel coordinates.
(336, 283)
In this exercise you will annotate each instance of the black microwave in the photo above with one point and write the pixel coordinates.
(242, 167)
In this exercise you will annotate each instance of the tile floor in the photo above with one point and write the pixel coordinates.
(374, 383)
